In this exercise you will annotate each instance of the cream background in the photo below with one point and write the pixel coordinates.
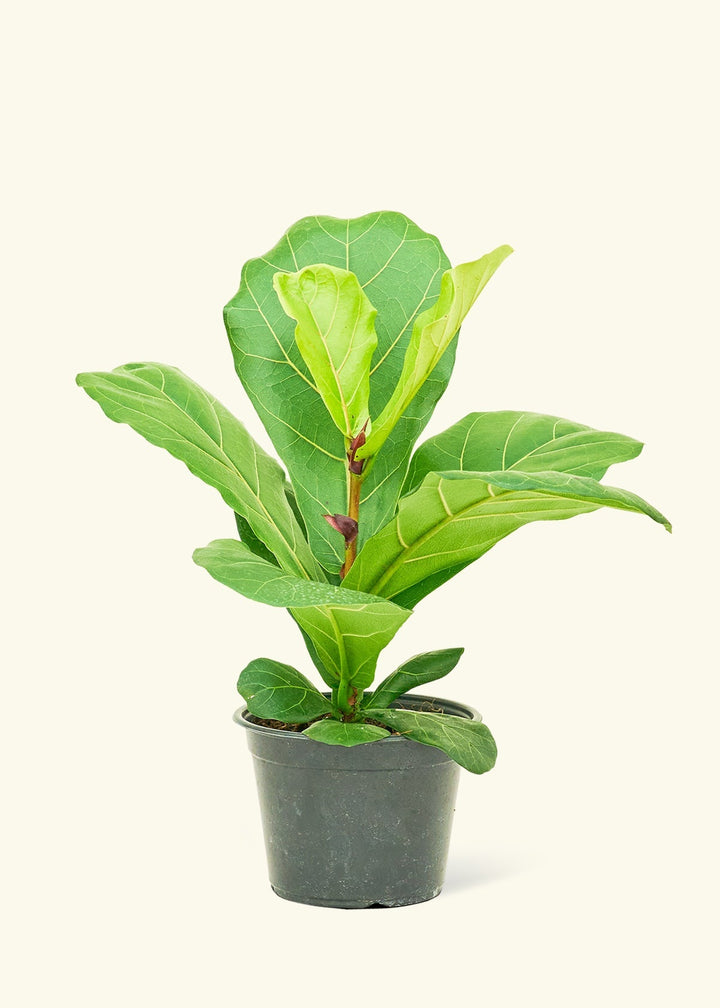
(152, 148)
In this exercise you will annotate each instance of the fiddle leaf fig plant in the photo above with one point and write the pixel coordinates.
(344, 337)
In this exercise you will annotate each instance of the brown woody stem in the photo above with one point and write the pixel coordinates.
(353, 512)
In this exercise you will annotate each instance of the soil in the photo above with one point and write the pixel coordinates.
(426, 705)
(280, 725)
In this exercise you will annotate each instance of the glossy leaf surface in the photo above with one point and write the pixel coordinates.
(234, 564)
(344, 733)
(399, 268)
(336, 336)
(277, 691)
(453, 518)
(529, 442)
(173, 412)
(468, 742)
(417, 671)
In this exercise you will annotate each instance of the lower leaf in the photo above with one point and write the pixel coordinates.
(347, 639)
(279, 692)
(344, 733)
(468, 742)
(423, 668)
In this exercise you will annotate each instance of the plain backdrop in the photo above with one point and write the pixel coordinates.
(153, 147)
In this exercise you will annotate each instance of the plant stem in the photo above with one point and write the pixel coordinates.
(353, 512)
(348, 697)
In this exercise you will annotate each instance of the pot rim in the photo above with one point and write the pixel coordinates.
(452, 707)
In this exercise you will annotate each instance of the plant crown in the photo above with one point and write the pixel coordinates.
(344, 337)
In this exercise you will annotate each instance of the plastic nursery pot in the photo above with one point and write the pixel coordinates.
(364, 826)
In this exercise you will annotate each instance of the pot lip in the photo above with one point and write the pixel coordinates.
(452, 707)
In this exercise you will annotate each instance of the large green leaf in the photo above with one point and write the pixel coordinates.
(423, 668)
(236, 565)
(171, 411)
(453, 518)
(468, 742)
(336, 336)
(279, 692)
(348, 629)
(432, 333)
(348, 639)
(530, 442)
(344, 733)
(399, 268)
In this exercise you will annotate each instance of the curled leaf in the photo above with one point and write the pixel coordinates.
(433, 332)
(336, 336)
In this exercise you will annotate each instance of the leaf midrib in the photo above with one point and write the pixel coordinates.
(335, 372)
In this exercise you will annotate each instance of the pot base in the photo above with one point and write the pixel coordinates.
(359, 904)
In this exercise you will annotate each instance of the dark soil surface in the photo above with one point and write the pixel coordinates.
(283, 726)
(280, 725)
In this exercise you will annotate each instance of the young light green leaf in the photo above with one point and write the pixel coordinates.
(530, 442)
(348, 629)
(336, 336)
(453, 518)
(399, 267)
(174, 413)
(344, 733)
(432, 334)
(279, 692)
(415, 672)
(468, 742)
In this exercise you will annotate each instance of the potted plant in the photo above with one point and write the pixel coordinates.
(344, 337)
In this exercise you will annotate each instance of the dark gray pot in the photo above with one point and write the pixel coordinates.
(364, 826)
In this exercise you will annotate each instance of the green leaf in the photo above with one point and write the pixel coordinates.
(174, 413)
(415, 672)
(432, 334)
(330, 678)
(530, 442)
(399, 268)
(349, 639)
(255, 545)
(453, 518)
(279, 692)
(348, 629)
(336, 336)
(234, 564)
(468, 742)
(344, 733)
(292, 501)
